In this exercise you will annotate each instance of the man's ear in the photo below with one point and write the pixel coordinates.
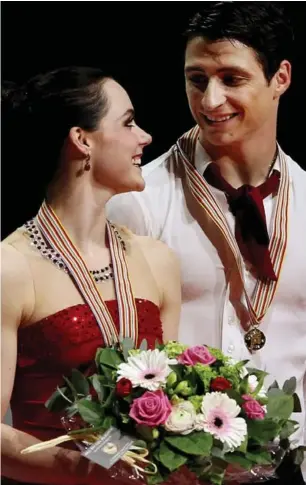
(282, 79)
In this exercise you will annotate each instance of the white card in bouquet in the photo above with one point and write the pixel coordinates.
(109, 448)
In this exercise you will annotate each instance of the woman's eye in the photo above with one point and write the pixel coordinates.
(130, 123)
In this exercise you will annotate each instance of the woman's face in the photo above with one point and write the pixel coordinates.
(117, 145)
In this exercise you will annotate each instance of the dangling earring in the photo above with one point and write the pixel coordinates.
(87, 162)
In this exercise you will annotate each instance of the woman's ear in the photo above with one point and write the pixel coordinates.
(79, 140)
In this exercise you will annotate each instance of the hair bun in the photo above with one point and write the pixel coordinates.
(12, 95)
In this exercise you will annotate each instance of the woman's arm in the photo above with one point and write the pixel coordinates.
(57, 465)
(165, 267)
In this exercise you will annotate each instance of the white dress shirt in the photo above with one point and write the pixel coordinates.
(165, 211)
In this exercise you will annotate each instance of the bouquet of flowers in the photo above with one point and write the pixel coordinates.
(185, 409)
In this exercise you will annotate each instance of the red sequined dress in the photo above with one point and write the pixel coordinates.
(49, 349)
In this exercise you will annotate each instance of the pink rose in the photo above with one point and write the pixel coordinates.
(152, 408)
(252, 408)
(196, 355)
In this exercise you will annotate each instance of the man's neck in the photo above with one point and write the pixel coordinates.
(249, 163)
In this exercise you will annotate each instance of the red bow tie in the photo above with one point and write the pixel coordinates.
(246, 204)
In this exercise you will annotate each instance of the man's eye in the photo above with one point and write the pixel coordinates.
(198, 79)
(232, 80)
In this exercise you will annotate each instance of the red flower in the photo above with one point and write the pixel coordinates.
(123, 387)
(220, 384)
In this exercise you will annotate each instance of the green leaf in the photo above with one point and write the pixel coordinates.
(56, 401)
(236, 459)
(168, 458)
(144, 345)
(262, 431)
(107, 373)
(288, 429)
(234, 395)
(280, 405)
(217, 452)
(71, 387)
(243, 447)
(125, 418)
(296, 403)
(110, 399)
(146, 432)
(97, 383)
(155, 479)
(90, 412)
(289, 386)
(140, 444)
(110, 357)
(72, 410)
(79, 382)
(256, 372)
(197, 443)
(158, 345)
(298, 456)
(274, 385)
(127, 344)
(216, 478)
(91, 429)
(261, 458)
(108, 422)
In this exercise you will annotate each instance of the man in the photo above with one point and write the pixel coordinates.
(228, 200)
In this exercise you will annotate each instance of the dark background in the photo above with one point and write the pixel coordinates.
(140, 43)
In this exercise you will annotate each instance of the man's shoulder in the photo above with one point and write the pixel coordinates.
(296, 167)
(297, 173)
(159, 168)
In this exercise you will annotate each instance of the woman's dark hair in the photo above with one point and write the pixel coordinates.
(36, 120)
(263, 26)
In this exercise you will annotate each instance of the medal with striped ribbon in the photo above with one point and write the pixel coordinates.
(58, 238)
(184, 153)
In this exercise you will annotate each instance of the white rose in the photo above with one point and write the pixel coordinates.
(200, 422)
(253, 383)
(182, 418)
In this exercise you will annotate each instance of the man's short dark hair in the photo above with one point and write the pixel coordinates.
(263, 26)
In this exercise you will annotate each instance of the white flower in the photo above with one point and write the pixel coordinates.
(253, 383)
(219, 418)
(148, 369)
(182, 418)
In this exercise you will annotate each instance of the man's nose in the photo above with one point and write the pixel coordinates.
(214, 95)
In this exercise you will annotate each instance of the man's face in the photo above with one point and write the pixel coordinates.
(228, 94)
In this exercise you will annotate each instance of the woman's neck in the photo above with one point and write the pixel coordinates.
(81, 209)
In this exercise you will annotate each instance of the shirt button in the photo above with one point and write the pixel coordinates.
(230, 348)
(231, 321)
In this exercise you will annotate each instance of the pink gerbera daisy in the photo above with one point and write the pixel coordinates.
(219, 418)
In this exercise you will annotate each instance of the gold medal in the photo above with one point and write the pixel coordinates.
(255, 339)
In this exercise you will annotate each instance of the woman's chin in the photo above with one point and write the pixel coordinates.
(135, 185)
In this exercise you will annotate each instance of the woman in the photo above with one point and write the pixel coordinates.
(71, 281)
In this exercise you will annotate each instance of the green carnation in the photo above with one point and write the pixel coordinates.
(133, 352)
(231, 373)
(196, 401)
(174, 349)
(205, 373)
(218, 354)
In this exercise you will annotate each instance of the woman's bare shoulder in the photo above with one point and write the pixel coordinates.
(14, 250)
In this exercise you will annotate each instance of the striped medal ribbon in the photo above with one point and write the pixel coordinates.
(265, 289)
(58, 238)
